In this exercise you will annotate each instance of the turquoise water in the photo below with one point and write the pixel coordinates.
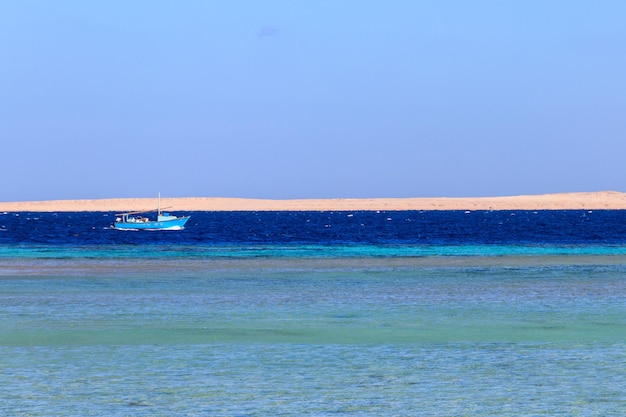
(506, 332)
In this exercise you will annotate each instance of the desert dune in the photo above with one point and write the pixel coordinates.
(564, 201)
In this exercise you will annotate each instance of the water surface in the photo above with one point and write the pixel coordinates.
(365, 314)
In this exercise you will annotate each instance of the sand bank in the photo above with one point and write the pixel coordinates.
(565, 201)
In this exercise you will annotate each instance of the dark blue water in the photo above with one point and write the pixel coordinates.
(570, 227)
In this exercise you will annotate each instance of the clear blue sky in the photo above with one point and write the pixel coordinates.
(311, 99)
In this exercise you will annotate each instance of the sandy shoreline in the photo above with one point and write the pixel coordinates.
(566, 201)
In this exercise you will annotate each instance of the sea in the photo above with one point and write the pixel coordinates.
(344, 313)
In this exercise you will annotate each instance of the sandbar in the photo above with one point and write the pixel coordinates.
(601, 200)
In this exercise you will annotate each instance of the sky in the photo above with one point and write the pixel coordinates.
(311, 99)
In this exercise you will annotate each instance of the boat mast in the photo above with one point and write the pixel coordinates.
(159, 205)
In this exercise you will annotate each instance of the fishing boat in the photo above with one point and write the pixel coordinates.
(136, 220)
